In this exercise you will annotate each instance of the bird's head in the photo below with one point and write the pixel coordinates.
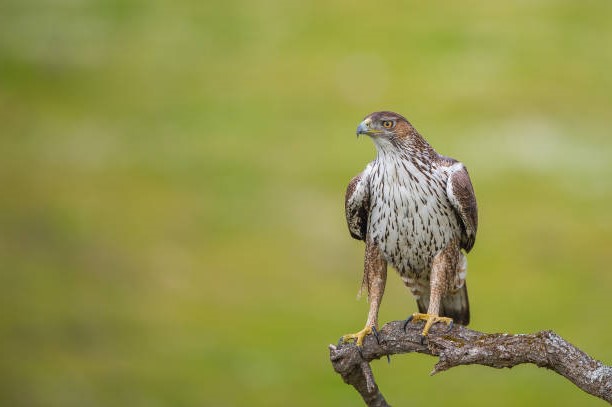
(387, 130)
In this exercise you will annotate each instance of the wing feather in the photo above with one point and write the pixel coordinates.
(357, 205)
(461, 195)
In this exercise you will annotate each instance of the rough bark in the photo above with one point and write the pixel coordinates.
(463, 346)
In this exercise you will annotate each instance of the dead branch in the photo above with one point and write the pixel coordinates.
(463, 346)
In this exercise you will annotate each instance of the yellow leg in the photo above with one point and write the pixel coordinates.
(359, 336)
(429, 321)
(374, 278)
(444, 261)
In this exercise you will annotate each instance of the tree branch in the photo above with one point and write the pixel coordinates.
(463, 346)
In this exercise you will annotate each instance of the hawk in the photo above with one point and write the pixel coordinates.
(416, 210)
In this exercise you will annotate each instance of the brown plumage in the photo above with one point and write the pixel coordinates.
(415, 210)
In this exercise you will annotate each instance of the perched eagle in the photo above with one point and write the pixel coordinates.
(416, 210)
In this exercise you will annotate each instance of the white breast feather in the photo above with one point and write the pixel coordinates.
(406, 211)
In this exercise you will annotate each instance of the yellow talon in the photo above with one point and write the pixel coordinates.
(359, 336)
(430, 320)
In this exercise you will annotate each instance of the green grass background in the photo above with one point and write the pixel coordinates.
(171, 217)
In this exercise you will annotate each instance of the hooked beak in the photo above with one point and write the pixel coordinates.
(364, 128)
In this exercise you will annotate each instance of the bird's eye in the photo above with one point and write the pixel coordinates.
(387, 124)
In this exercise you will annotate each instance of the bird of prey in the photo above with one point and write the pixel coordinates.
(416, 210)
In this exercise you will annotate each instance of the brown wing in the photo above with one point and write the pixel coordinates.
(461, 195)
(357, 205)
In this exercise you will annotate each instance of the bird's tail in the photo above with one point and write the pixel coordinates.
(454, 305)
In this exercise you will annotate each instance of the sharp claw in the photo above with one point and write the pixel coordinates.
(407, 321)
(388, 359)
(357, 338)
(423, 339)
(375, 333)
(450, 326)
(360, 352)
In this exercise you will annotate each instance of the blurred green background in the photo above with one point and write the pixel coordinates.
(171, 222)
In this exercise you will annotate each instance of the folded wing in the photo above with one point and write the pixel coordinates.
(357, 205)
(461, 195)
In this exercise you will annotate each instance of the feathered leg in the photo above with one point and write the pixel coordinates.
(374, 279)
(443, 268)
